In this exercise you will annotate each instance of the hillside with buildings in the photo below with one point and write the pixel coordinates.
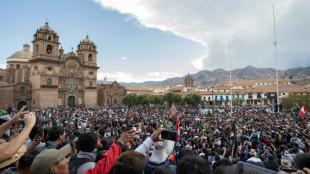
(298, 75)
(214, 77)
(259, 92)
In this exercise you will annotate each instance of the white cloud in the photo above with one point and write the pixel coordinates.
(199, 63)
(124, 58)
(129, 77)
(3, 66)
(207, 22)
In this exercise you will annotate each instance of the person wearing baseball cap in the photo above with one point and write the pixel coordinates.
(52, 160)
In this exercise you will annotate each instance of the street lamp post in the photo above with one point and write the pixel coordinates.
(212, 101)
(237, 90)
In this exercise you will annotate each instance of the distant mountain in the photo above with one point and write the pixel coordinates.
(147, 83)
(205, 77)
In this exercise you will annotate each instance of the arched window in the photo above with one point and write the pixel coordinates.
(18, 66)
(49, 81)
(90, 83)
(22, 90)
(49, 37)
(37, 48)
(49, 49)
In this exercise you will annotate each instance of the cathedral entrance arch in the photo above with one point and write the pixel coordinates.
(71, 101)
(21, 104)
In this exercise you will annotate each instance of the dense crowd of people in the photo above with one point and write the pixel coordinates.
(119, 140)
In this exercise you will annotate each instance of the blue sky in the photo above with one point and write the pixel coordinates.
(140, 40)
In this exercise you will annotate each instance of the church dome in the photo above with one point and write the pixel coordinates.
(21, 56)
(46, 28)
(87, 41)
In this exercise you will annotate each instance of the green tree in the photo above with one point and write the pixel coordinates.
(157, 99)
(192, 99)
(235, 101)
(130, 100)
(287, 103)
(144, 99)
(290, 77)
(172, 97)
(291, 101)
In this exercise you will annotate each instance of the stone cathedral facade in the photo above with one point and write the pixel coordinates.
(49, 77)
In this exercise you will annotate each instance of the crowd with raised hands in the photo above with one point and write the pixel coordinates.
(119, 140)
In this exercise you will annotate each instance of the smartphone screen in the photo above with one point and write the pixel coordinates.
(169, 135)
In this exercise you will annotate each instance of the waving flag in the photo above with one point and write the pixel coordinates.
(201, 126)
(177, 129)
(165, 124)
(302, 111)
(73, 116)
(229, 114)
(173, 109)
(156, 111)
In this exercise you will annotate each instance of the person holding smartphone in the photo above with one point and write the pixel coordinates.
(161, 150)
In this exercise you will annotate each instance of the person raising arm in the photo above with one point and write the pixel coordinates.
(10, 149)
(7, 125)
(107, 160)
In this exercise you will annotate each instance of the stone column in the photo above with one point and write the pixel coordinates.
(23, 75)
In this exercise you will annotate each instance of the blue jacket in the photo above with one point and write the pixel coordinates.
(150, 167)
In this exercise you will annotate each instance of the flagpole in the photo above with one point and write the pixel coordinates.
(230, 76)
(276, 54)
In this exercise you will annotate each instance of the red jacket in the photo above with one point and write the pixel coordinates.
(106, 162)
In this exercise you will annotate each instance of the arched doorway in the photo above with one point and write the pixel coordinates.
(21, 104)
(115, 102)
(71, 101)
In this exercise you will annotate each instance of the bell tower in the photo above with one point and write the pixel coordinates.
(87, 50)
(45, 43)
(188, 81)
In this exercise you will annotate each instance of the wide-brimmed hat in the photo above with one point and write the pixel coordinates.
(47, 158)
(285, 163)
(188, 147)
(253, 153)
(21, 151)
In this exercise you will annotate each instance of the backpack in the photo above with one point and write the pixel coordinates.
(76, 162)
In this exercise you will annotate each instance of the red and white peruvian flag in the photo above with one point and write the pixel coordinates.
(177, 129)
(302, 111)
